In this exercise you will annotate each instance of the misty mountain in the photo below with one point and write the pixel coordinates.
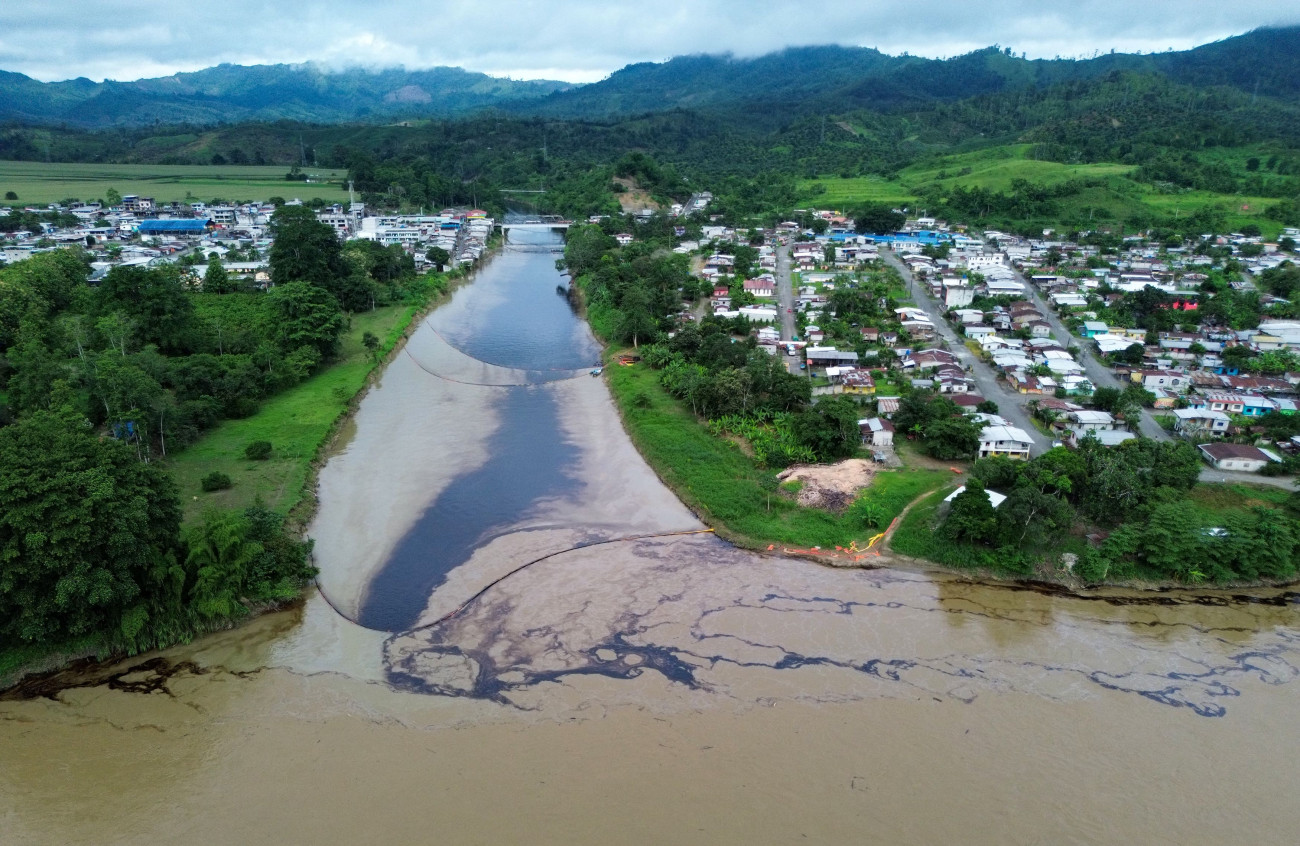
(807, 79)
(236, 93)
(766, 89)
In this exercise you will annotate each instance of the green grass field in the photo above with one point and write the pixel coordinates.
(296, 422)
(41, 183)
(995, 168)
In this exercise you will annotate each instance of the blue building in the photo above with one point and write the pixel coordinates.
(178, 226)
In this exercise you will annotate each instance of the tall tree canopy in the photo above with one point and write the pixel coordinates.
(88, 534)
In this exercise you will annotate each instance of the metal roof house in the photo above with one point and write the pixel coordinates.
(178, 226)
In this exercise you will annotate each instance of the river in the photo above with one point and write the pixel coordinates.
(520, 636)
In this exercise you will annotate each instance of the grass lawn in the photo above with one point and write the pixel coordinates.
(296, 422)
(1217, 499)
(42, 183)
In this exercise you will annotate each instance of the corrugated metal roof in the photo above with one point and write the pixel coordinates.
(178, 225)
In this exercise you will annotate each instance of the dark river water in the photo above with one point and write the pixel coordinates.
(514, 317)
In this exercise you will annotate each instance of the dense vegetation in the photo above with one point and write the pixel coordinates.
(1142, 498)
(100, 384)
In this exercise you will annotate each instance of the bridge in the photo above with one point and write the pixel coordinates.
(544, 223)
(547, 223)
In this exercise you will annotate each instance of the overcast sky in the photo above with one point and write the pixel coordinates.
(578, 40)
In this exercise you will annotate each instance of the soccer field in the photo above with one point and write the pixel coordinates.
(42, 183)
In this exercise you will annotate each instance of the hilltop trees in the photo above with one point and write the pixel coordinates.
(877, 219)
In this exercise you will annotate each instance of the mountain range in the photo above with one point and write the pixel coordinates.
(1264, 62)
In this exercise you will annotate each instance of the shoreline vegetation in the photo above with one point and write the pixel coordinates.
(303, 423)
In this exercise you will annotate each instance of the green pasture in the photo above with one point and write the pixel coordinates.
(1117, 198)
(42, 183)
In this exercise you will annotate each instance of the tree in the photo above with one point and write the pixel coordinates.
(306, 316)
(951, 438)
(306, 250)
(829, 428)
(156, 302)
(370, 341)
(88, 535)
(971, 517)
(438, 257)
(637, 321)
(216, 280)
(987, 407)
(1132, 355)
(10, 195)
(112, 197)
(877, 219)
(1106, 399)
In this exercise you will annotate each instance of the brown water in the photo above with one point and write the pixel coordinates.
(661, 690)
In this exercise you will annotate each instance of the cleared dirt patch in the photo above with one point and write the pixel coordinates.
(831, 486)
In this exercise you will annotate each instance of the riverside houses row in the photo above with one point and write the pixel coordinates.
(141, 232)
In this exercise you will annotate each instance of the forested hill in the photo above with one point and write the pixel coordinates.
(802, 80)
(234, 93)
(1264, 61)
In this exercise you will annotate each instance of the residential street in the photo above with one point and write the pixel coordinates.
(785, 305)
(1099, 374)
(990, 387)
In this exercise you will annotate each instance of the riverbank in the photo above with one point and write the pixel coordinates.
(729, 491)
(301, 424)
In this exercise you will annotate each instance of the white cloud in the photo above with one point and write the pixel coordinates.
(580, 40)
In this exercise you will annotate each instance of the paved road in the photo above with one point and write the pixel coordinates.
(990, 387)
(1099, 374)
(785, 307)
(1209, 474)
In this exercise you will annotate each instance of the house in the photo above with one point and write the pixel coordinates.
(830, 357)
(623, 239)
(1169, 380)
(1090, 421)
(876, 432)
(1240, 457)
(870, 334)
(1093, 328)
(887, 406)
(1040, 329)
(1007, 441)
(858, 381)
(1105, 437)
(979, 331)
(1193, 422)
(957, 293)
(761, 287)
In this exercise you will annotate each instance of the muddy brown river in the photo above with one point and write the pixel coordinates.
(521, 637)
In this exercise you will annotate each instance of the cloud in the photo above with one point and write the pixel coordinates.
(580, 40)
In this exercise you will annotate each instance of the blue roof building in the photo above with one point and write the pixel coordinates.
(179, 226)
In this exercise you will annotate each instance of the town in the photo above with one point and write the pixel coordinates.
(1043, 341)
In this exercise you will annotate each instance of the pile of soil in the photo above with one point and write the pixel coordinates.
(830, 486)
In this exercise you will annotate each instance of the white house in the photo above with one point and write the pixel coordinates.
(1007, 441)
(1239, 457)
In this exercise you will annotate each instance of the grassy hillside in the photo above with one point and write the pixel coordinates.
(1107, 196)
(41, 183)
